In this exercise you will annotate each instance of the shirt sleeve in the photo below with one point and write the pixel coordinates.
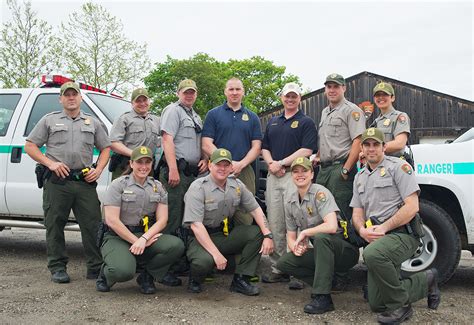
(209, 128)
(405, 180)
(247, 200)
(402, 124)
(310, 137)
(194, 204)
(325, 202)
(256, 127)
(101, 140)
(162, 192)
(265, 142)
(113, 195)
(39, 135)
(170, 120)
(356, 122)
(289, 218)
(355, 201)
(117, 132)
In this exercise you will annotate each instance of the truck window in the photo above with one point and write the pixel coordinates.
(8, 104)
(112, 107)
(47, 103)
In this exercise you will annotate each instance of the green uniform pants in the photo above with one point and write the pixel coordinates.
(58, 201)
(247, 176)
(245, 240)
(120, 263)
(331, 253)
(175, 199)
(331, 178)
(383, 258)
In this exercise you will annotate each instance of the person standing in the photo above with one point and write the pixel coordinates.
(132, 129)
(312, 216)
(237, 129)
(287, 136)
(385, 203)
(70, 137)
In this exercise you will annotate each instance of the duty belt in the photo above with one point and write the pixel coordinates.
(209, 230)
(332, 162)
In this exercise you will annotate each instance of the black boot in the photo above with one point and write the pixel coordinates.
(434, 294)
(101, 282)
(396, 316)
(146, 282)
(319, 304)
(171, 280)
(241, 284)
(194, 285)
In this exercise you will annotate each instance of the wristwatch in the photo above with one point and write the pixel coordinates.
(269, 235)
(344, 171)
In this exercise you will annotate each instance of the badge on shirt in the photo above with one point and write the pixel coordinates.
(407, 169)
(382, 171)
(155, 189)
(402, 119)
(356, 116)
(237, 190)
(87, 121)
(294, 124)
(245, 117)
(321, 197)
(310, 210)
(386, 122)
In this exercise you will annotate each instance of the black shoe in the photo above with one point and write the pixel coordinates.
(92, 274)
(101, 283)
(295, 284)
(275, 277)
(145, 281)
(365, 292)
(171, 280)
(434, 294)
(194, 286)
(396, 316)
(60, 277)
(319, 304)
(241, 284)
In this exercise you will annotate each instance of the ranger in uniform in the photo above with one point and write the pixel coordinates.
(70, 137)
(312, 214)
(211, 202)
(136, 212)
(385, 204)
(133, 129)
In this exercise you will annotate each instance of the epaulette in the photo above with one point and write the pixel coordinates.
(55, 112)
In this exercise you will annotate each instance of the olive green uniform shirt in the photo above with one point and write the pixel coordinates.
(392, 124)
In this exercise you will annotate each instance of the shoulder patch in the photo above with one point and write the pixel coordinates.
(356, 116)
(407, 168)
(402, 118)
(321, 196)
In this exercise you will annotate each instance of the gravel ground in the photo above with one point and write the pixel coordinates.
(27, 296)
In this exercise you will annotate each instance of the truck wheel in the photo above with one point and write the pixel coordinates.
(439, 248)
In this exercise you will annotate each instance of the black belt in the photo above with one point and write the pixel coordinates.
(332, 162)
(209, 230)
(401, 230)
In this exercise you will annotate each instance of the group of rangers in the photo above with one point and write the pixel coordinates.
(183, 195)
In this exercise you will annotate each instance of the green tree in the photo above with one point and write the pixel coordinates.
(26, 47)
(95, 50)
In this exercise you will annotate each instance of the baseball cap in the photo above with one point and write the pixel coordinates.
(303, 162)
(373, 133)
(221, 154)
(385, 87)
(291, 87)
(139, 92)
(141, 152)
(187, 84)
(337, 78)
(69, 85)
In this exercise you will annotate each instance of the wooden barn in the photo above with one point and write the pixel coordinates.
(435, 117)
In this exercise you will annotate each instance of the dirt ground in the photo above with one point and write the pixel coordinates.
(27, 296)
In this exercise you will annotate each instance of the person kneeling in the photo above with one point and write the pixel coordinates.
(131, 204)
(312, 210)
(210, 204)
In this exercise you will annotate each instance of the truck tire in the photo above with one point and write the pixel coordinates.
(439, 248)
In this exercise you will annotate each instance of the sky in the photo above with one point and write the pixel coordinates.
(426, 43)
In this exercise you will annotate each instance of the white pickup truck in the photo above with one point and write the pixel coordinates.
(20, 110)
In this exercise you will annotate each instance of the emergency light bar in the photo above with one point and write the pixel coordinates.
(51, 81)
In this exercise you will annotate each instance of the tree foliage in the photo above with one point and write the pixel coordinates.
(261, 78)
(95, 50)
(26, 47)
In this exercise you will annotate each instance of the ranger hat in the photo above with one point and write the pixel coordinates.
(187, 84)
(139, 92)
(221, 154)
(373, 133)
(303, 162)
(384, 87)
(69, 85)
(336, 78)
(291, 87)
(141, 152)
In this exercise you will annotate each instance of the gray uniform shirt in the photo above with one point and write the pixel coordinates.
(315, 205)
(392, 124)
(176, 120)
(338, 128)
(381, 191)
(207, 203)
(135, 200)
(134, 130)
(70, 141)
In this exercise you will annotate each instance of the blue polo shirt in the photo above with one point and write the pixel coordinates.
(284, 136)
(231, 130)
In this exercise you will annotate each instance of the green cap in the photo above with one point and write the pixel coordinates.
(139, 92)
(373, 133)
(385, 87)
(187, 84)
(221, 154)
(141, 152)
(303, 162)
(69, 85)
(336, 78)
